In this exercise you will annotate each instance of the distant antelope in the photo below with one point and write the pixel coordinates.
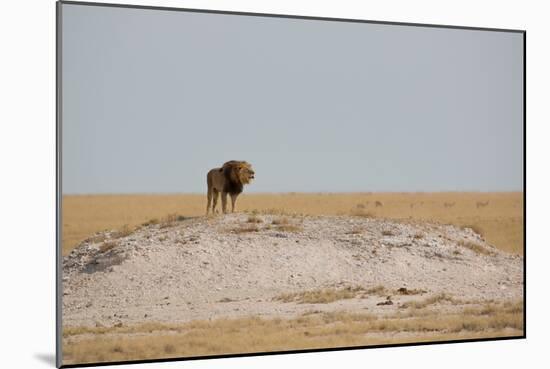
(481, 204)
(449, 204)
(378, 204)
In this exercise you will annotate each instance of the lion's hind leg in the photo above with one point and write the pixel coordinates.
(209, 197)
(215, 200)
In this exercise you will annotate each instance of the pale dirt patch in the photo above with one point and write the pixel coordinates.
(201, 268)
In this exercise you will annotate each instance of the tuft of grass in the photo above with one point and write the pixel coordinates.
(245, 229)
(406, 291)
(151, 222)
(280, 221)
(277, 211)
(320, 296)
(442, 297)
(361, 213)
(171, 220)
(475, 247)
(356, 230)
(289, 228)
(97, 238)
(327, 295)
(254, 219)
(107, 245)
(226, 299)
(169, 348)
(283, 224)
(376, 290)
(126, 230)
(476, 228)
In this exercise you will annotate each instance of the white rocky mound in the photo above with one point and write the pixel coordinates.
(208, 268)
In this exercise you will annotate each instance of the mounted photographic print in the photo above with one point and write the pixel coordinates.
(235, 183)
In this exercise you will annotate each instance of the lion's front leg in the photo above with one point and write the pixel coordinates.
(233, 199)
(224, 202)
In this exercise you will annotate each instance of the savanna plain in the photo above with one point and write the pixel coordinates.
(150, 276)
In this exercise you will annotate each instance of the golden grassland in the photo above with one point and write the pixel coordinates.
(309, 331)
(497, 216)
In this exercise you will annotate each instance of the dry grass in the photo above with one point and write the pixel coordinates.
(126, 230)
(289, 228)
(108, 245)
(151, 222)
(360, 212)
(280, 221)
(432, 300)
(284, 224)
(254, 219)
(475, 247)
(321, 296)
(474, 227)
(356, 230)
(328, 295)
(245, 229)
(418, 236)
(501, 223)
(313, 330)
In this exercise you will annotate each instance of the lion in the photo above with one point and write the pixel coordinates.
(229, 179)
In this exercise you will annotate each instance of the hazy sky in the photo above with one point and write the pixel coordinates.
(153, 99)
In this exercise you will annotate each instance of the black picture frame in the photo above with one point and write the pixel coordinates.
(59, 101)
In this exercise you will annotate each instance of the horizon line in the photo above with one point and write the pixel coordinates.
(290, 193)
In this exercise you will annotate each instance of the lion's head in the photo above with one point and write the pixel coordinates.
(239, 171)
